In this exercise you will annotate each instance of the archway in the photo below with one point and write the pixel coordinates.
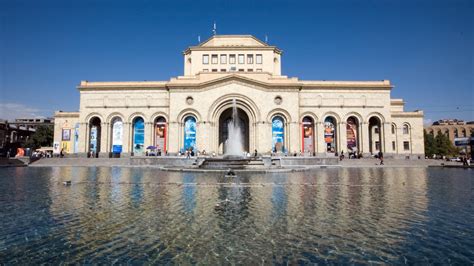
(138, 137)
(330, 134)
(375, 135)
(352, 135)
(307, 127)
(160, 133)
(278, 134)
(243, 123)
(116, 135)
(94, 136)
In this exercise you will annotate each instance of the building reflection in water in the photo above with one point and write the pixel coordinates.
(113, 211)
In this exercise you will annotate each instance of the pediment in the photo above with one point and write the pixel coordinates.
(233, 41)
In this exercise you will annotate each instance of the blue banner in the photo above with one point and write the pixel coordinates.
(190, 133)
(278, 134)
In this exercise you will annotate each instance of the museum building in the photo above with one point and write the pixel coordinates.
(277, 114)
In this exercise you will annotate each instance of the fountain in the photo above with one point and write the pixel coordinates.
(233, 144)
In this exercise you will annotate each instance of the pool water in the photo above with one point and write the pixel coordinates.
(144, 216)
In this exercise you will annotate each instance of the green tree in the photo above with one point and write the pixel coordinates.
(443, 146)
(430, 147)
(43, 137)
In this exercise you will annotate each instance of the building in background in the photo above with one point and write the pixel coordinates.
(276, 113)
(14, 134)
(458, 131)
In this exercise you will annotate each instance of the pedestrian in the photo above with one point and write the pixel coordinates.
(255, 153)
(381, 157)
(8, 154)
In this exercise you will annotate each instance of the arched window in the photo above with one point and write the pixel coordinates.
(456, 133)
(463, 133)
(406, 129)
(189, 133)
(278, 134)
(330, 134)
(138, 141)
(375, 139)
(393, 129)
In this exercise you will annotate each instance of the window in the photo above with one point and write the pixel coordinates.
(393, 129)
(405, 129)
(205, 59)
(259, 70)
(223, 70)
(377, 146)
(232, 59)
(214, 59)
(258, 59)
(205, 70)
(214, 70)
(241, 59)
(250, 70)
(223, 59)
(250, 59)
(232, 69)
(393, 145)
(376, 130)
(241, 70)
(406, 145)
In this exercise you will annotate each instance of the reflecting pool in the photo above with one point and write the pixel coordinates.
(141, 215)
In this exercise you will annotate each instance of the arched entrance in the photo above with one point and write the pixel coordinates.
(242, 122)
(116, 136)
(330, 134)
(375, 135)
(94, 136)
(352, 135)
(160, 133)
(307, 127)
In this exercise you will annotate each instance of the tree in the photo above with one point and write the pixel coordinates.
(43, 137)
(430, 148)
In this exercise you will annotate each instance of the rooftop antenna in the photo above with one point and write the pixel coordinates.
(266, 38)
(214, 30)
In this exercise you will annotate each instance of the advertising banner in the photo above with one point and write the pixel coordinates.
(160, 137)
(93, 139)
(139, 136)
(278, 134)
(66, 134)
(117, 134)
(76, 137)
(190, 133)
(351, 132)
(308, 138)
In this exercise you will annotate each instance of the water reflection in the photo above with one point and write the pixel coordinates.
(384, 215)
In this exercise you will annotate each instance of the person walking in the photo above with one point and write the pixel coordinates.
(381, 157)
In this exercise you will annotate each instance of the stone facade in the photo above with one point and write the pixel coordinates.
(278, 113)
(453, 129)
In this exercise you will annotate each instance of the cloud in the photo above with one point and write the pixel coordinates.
(11, 111)
(427, 122)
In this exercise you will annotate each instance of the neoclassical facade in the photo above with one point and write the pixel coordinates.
(276, 113)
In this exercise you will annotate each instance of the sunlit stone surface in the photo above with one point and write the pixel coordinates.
(138, 215)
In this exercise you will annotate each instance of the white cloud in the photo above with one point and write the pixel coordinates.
(11, 111)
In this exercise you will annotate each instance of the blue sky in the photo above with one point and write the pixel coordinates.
(426, 48)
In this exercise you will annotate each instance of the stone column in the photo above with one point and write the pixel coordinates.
(126, 140)
(319, 137)
(83, 138)
(104, 132)
(387, 138)
(174, 137)
(342, 136)
(294, 137)
(148, 134)
(365, 139)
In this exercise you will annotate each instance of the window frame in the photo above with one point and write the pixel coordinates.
(243, 59)
(205, 56)
(261, 59)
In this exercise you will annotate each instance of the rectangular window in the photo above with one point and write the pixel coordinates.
(241, 59)
(259, 70)
(223, 70)
(214, 59)
(205, 70)
(406, 145)
(232, 59)
(223, 59)
(250, 70)
(214, 70)
(393, 145)
(377, 146)
(241, 70)
(232, 69)
(376, 130)
(205, 59)
(258, 59)
(250, 59)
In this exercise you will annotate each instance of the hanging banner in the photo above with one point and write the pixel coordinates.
(117, 133)
(329, 132)
(76, 138)
(278, 134)
(308, 138)
(190, 133)
(93, 139)
(139, 136)
(160, 139)
(351, 132)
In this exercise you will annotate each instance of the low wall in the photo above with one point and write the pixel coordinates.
(307, 161)
(164, 161)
